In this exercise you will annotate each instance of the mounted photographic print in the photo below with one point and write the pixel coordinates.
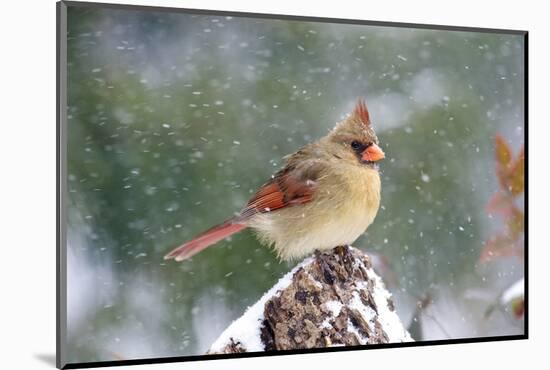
(234, 184)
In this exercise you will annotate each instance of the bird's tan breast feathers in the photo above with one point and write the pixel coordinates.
(352, 200)
(345, 204)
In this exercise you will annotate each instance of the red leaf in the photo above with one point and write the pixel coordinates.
(502, 151)
(497, 246)
(500, 204)
(517, 174)
(515, 223)
(511, 176)
(518, 307)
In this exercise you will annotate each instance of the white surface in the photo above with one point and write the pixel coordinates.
(388, 319)
(246, 329)
(515, 291)
(27, 155)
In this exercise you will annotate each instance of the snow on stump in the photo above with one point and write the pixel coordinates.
(330, 299)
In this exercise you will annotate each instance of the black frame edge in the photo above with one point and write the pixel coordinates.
(230, 356)
(526, 186)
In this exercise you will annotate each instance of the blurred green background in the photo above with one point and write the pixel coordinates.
(174, 120)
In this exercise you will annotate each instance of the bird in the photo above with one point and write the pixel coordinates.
(326, 195)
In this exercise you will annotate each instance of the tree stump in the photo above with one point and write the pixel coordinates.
(330, 299)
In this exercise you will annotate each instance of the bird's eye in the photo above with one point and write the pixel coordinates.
(356, 145)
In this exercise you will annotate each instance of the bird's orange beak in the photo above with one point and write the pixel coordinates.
(373, 153)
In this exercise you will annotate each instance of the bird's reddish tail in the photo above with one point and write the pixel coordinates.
(204, 240)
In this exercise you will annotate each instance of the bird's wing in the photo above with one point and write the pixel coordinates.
(291, 186)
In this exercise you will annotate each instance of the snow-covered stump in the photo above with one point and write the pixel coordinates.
(331, 299)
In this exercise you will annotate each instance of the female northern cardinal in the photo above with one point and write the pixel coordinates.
(326, 195)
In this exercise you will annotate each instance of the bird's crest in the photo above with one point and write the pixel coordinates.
(361, 113)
